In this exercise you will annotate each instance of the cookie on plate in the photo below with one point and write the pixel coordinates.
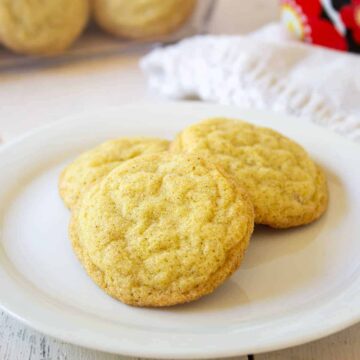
(286, 187)
(98, 162)
(162, 229)
(139, 19)
(41, 27)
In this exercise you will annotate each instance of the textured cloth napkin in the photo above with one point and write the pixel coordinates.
(262, 70)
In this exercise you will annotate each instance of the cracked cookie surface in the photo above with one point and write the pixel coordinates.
(98, 162)
(41, 27)
(162, 229)
(141, 18)
(286, 187)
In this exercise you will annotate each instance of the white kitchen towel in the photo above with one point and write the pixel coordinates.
(262, 70)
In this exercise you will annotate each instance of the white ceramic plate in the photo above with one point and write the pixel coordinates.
(294, 285)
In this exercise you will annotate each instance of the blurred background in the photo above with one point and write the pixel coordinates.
(95, 51)
(99, 69)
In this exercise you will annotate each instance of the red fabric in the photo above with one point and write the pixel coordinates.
(321, 30)
(310, 7)
(325, 34)
(348, 14)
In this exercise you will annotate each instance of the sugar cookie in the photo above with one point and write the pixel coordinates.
(286, 187)
(141, 18)
(98, 162)
(162, 229)
(41, 27)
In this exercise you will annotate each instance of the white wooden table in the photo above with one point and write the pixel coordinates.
(37, 96)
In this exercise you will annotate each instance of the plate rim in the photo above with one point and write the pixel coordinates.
(340, 324)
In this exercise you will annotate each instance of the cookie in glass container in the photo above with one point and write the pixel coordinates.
(140, 19)
(42, 27)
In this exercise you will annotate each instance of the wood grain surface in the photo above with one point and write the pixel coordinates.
(344, 345)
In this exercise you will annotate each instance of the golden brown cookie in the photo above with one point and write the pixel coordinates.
(98, 162)
(162, 229)
(41, 27)
(286, 187)
(139, 19)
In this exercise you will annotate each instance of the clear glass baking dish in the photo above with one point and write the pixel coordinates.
(97, 43)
